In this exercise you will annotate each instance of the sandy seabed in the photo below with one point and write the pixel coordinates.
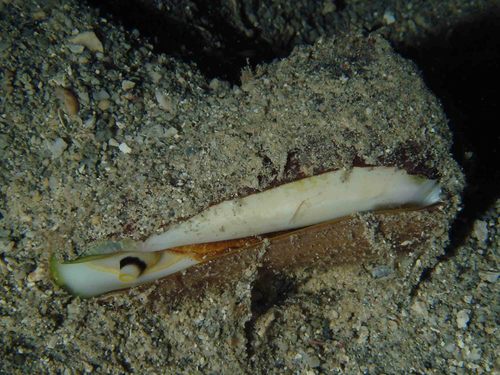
(104, 138)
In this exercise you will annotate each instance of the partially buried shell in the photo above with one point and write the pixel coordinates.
(270, 218)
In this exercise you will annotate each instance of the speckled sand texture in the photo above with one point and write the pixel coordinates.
(113, 141)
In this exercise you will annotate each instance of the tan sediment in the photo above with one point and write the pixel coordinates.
(340, 103)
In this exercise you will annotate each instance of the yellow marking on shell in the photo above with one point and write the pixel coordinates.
(167, 259)
(103, 268)
(306, 183)
(124, 278)
(129, 273)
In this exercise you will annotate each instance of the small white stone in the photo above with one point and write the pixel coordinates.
(481, 230)
(171, 132)
(73, 310)
(88, 39)
(124, 148)
(57, 147)
(165, 102)
(473, 354)
(462, 318)
(389, 17)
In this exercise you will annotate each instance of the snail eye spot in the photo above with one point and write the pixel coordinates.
(131, 268)
(133, 261)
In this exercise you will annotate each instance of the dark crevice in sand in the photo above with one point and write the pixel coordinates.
(460, 68)
(424, 277)
(207, 38)
(269, 290)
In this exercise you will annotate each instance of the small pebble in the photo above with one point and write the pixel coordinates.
(462, 318)
(113, 142)
(38, 274)
(124, 148)
(481, 231)
(214, 84)
(328, 7)
(334, 314)
(155, 76)
(450, 348)
(39, 15)
(37, 197)
(489, 276)
(95, 220)
(76, 48)
(419, 308)
(381, 271)
(389, 17)
(127, 85)
(313, 361)
(57, 148)
(264, 323)
(84, 96)
(104, 104)
(101, 95)
(363, 334)
(88, 39)
(165, 102)
(69, 100)
(473, 355)
(73, 309)
(171, 132)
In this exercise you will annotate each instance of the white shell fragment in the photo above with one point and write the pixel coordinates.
(89, 40)
(293, 205)
(124, 148)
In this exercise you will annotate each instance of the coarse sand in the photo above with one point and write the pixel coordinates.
(102, 138)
